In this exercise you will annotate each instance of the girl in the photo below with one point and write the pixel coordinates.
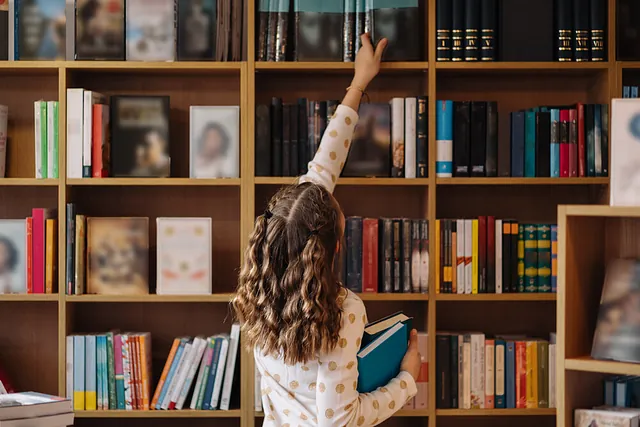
(303, 326)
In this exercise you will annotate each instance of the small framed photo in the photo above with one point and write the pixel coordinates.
(214, 142)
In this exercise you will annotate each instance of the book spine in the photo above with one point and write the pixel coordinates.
(565, 150)
(230, 366)
(581, 42)
(445, 255)
(506, 256)
(91, 376)
(217, 385)
(118, 372)
(39, 246)
(530, 144)
(597, 133)
(75, 132)
(604, 138)
(52, 139)
(424, 256)
(543, 144)
(206, 361)
(573, 143)
(294, 154)
(521, 375)
(491, 255)
(263, 26)
(532, 374)
(466, 372)
(453, 256)
(543, 374)
(111, 372)
(468, 256)
(517, 275)
(598, 11)
(498, 255)
(438, 262)
(50, 256)
(482, 254)
(263, 141)
(4, 115)
(459, 256)
(37, 134)
(359, 24)
(29, 257)
(552, 375)
(453, 371)
(303, 136)
(386, 257)
(461, 139)
(564, 30)
(500, 384)
(472, 27)
(476, 270)
(444, 139)
(370, 255)
(286, 140)
(517, 144)
(554, 258)
(555, 143)
(510, 375)
(590, 139)
(79, 374)
(544, 257)
(213, 370)
(521, 278)
(422, 128)
(443, 30)
(460, 362)
(491, 155)
(276, 136)
(477, 371)
(422, 398)
(490, 375)
(488, 30)
(410, 139)
(478, 138)
(354, 255)
(42, 141)
(397, 137)
(397, 255)
(127, 372)
(348, 31)
(207, 370)
(457, 29)
(415, 256)
(282, 30)
(443, 370)
(530, 258)
(79, 258)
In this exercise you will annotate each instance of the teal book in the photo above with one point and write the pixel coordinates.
(530, 144)
(379, 361)
(544, 258)
(111, 372)
(530, 258)
(375, 329)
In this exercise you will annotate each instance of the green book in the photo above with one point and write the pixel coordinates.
(543, 374)
(544, 258)
(520, 257)
(43, 139)
(530, 258)
(111, 372)
(52, 139)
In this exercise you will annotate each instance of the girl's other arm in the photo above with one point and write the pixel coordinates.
(327, 164)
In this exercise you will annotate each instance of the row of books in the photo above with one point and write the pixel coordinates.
(622, 391)
(113, 371)
(288, 136)
(630, 92)
(96, 244)
(489, 255)
(475, 371)
(308, 30)
(548, 141)
(135, 30)
(46, 133)
(386, 255)
(28, 253)
(123, 136)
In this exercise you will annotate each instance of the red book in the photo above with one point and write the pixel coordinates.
(369, 255)
(40, 217)
(29, 257)
(573, 143)
(521, 374)
(491, 254)
(564, 143)
(99, 141)
(581, 150)
(482, 254)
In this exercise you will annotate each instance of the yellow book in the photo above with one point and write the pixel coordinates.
(50, 256)
(474, 256)
(532, 374)
(437, 256)
(78, 400)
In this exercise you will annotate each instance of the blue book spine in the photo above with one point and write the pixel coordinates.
(500, 373)
(172, 372)
(105, 372)
(554, 258)
(530, 144)
(99, 378)
(610, 391)
(517, 144)
(215, 360)
(510, 375)
(16, 31)
(622, 393)
(78, 372)
(626, 91)
(597, 132)
(555, 143)
(444, 139)
(90, 373)
(634, 89)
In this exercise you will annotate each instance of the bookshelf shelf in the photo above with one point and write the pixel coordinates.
(394, 297)
(155, 67)
(335, 66)
(495, 412)
(587, 364)
(158, 182)
(496, 297)
(409, 413)
(159, 414)
(148, 298)
(522, 181)
(523, 66)
(28, 182)
(350, 181)
(29, 297)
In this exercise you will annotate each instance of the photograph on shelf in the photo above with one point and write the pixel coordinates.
(214, 141)
(40, 28)
(100, 30)
(13, 256)
(151, 30)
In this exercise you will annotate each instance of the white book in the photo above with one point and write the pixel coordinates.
(217, 385)
(184, 256)
(232, 357)
(174, 379)
(69, 368)
(206, 359)
(4, 117)
(75, 134)
(200, 346)
(410, 137)
(37, 121)
(466, 362)
(468, 238)
(214, 141)
(90, 99)
(624, 188)
(498, 256)
(489, 374)
(477, 371)
(552, 375)
(181, 375)
(60, 420)
(126, 372)
(52, 140)
(151, 30)
(257, 395)
(460, 267)
(397, 137)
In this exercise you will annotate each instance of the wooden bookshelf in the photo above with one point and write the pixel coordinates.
(36, 350)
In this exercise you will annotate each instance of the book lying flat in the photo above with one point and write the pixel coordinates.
(60, 420)
(384, 346)
(32, 405)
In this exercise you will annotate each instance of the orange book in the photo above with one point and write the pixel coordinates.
(165, 371)
(133, 362)
(29, 255)
(138, 357)
(50, 256)
(100, 141)
(437, 257)
(145, 365)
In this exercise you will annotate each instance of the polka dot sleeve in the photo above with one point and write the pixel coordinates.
(329, 160)
(339, 403)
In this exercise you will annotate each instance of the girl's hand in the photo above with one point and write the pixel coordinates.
(412, 361)
(367, 64)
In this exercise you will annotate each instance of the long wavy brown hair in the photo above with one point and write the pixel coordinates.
(287, 296)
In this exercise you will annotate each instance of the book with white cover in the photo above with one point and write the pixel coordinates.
(32, 405)
(625, 153)
(184, 256)
(214, 141)
(13, 256)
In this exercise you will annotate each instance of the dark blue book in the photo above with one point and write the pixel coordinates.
(501, 380)
(379, 361)
(510, 375)
(530, 144)
(517, 144)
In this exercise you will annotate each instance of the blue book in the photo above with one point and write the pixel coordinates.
(79, 373)
(623, 398)
(517, 144)
(610, 391)
(99, 378)
(634, 392)
(530, 144)
(501, 365)
(90, 373)
(626, 91)
(374, 329)
(510, 375)
(379, 362)
(444, 139)
(634, 91)
(172, 371)
(215, 361)
(555, 143)
(104, 371)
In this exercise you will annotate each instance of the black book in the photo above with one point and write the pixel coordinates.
(263, 141)
(461, 138)
(386, 256)
(478, 137)
(472, 30)
(320, 124)
(491, 157)
(443, 29)
(598, 9)
(318, 30)
(397, 255)
(454, 369)
(359, 24)
(286, 139)
(581, 39)
(406, 255)
(506, 256)
(422, 137)
(349, 31)
(276, 136)
(293, 136)
(354, 254)
(140, 136)
(303, 136)
(196, 30)
(282, 29)
(514, 256)
(564, 30)
(370, 152)
(526, 30)
(401, 26)
(272, 28)
(457, 30)
(443, 371)
(627, 32)
(488, 31)
(4, 31)
(263, 30)
(604, 114)
(543, 144)
(311, 131)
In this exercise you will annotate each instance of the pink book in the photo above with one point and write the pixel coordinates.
(40, 216)
(573, 143)
(422, 398)
(564, 143)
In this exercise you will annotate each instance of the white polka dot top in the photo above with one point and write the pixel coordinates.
(323, 392)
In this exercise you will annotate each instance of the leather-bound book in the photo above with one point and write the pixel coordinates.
(263, 30)
(472, 30)
(543, 144)
(491, 156)
(488, 31)
(276, 136)
(598, 10)
(478, 137)
(581, 39)
(399, 21)
(461, 138)
(564, 30)
(457, 30)
(263, 141)
(303, 136)
(318, 28)
(443, 29)
(349, 31)
(286, 139)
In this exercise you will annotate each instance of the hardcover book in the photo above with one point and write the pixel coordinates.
(184, 256)
(13, 256)
(4, 31)
(399, 22)
(118, 256)
(151, 30)
(214, 142)
(370, 153)
(140, 136)
(196, 29)
(318, 30)
(4, 116)
(40, 29)
(99, 29)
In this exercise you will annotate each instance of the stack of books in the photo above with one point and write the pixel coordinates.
(35, 410)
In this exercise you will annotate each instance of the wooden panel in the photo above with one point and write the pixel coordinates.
(580, 392)
(19, 92)
(29, 345)
(500, 421)
(17, 202)
(185, 89)
(222, 204)
(165, 322)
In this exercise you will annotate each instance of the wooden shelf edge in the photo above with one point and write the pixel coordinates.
(154, 65)
(600, 210)
(588, 364)
(227, 297)
(337, 66)
(525, 66)
(29, 182)
(28, 297)
(522, 181)
(393, 297)
(235, 413)
(402, 413)
(498, 297)
(349, 181)
(495, 412)
(132, 182)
